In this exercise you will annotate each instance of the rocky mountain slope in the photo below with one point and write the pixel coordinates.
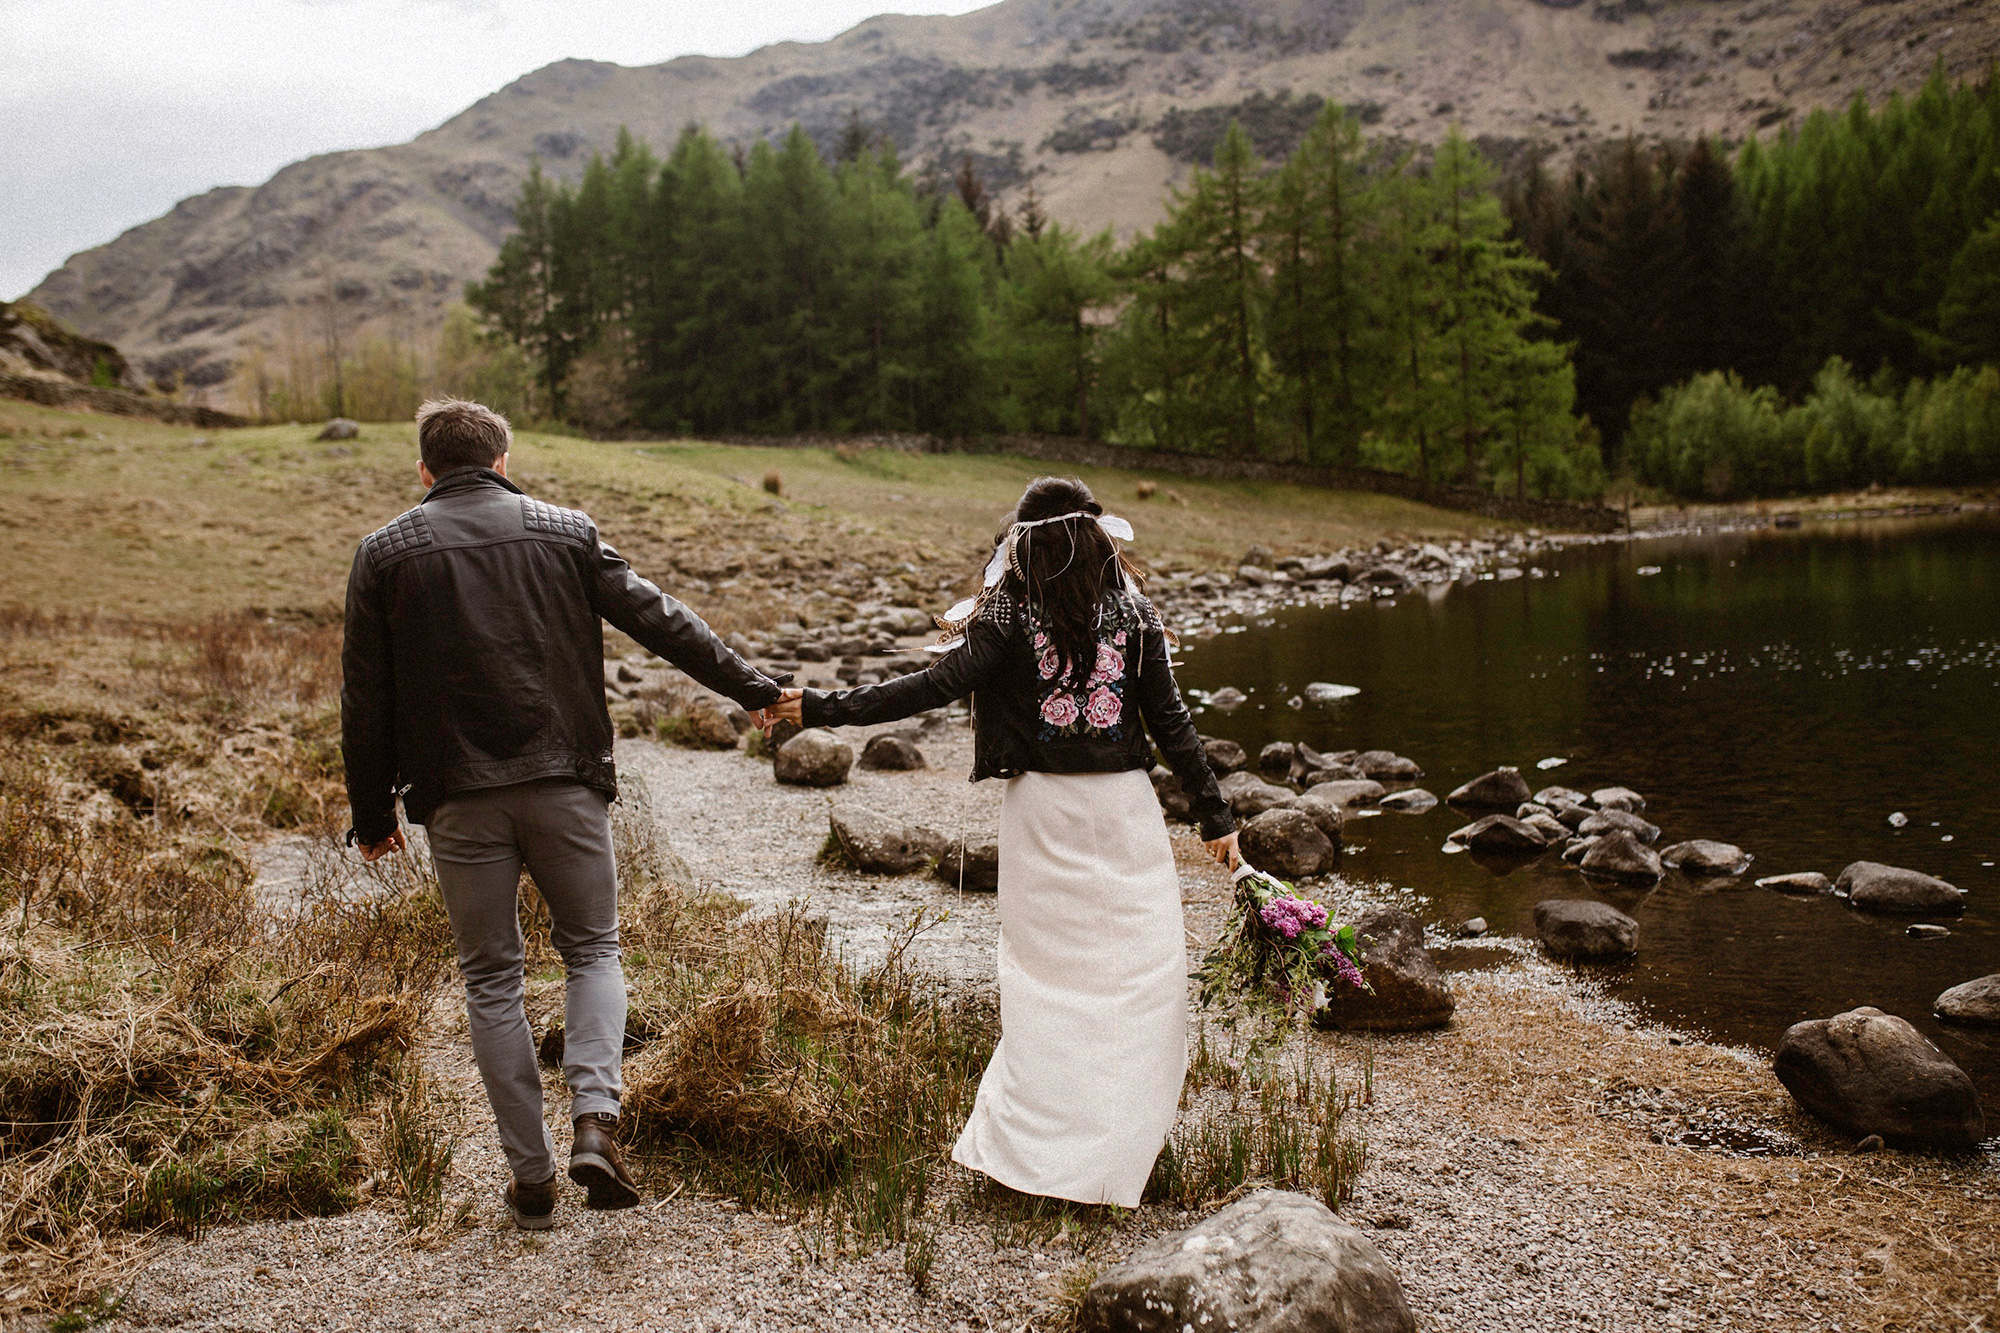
(1098, 105)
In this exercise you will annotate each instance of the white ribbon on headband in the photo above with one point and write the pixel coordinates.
(1003, 554)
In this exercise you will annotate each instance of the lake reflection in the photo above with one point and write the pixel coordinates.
(1784, 691)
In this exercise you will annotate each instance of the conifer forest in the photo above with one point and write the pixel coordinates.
(1814, 310)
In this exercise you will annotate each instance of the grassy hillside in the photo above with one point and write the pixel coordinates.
(162, 523)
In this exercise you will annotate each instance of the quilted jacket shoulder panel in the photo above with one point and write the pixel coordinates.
(405, 533)
(539, 517)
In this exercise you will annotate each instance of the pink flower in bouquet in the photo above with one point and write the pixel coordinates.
(1104, 709)
(1049, 664)
(1060, 710)
(1110, 665)
(1344, 967)
(1292, 917)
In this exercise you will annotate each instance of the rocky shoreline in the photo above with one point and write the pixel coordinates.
(1544, 1162)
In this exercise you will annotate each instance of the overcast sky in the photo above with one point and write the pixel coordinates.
(111, 111)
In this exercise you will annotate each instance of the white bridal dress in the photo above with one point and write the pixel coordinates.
(1084, 1084)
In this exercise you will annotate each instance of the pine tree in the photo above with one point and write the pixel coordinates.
(1054, 283)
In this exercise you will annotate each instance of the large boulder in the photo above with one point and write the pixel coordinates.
(892, 753)
(1600, 822)
(1347, 793)
(340, 428)
(1621, 856)
(975, 867)
(1411, 802)
(1585, 928)
(1502, 789)
(814, 758)
(874, 842)
(1976, 1003)
(1874, 887)
(1868, 1072)
(1288, 844)
(1499, 834)
(1702, 857)
(1410, 993)
(1618, 798)
(1224, 756)
(1275, 1262)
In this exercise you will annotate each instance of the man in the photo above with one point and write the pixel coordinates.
(473, 685)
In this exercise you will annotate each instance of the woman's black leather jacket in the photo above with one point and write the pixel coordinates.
(1030, 716)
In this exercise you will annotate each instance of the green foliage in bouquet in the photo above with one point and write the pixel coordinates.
(1278, 952)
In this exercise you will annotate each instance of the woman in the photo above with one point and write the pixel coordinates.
(1064, 659)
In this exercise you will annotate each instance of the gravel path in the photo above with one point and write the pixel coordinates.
(1526, 1168)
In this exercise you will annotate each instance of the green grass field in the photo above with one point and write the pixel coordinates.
(164, 522)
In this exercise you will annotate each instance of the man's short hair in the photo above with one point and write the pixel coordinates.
(453, 433)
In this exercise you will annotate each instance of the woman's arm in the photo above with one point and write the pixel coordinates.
(958, 673)
(1172, 730)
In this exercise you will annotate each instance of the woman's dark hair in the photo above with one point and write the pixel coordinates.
(1066, 570)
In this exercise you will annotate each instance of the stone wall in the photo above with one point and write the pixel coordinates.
(1553, 514)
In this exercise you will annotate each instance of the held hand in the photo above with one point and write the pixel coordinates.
(789, 708)
(1224, 850)
(376, 851)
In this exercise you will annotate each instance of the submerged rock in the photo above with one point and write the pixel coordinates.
(1410, 993)
(1276, 1262)
(1500, 834)
(1288, 844)
(1804, 881)
(1276, 759)
(1554, 796)
(1502, 789)
(1868, 1072)
(1619, 855)
(1975, 1002)
(1349, 793)
(1411, 802)
(1618, 798)
(1615, 821)
(1874, 887)
(1585, 928)
(1322, 693)
(1228, 698)
(1387, 766)
(1700, 856)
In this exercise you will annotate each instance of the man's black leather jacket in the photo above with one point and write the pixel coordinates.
(1029, 716)
(474, 657)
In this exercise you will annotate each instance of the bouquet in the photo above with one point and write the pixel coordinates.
(1279, 950)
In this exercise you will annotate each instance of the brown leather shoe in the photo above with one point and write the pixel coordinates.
(596, 1164)
(533, 1207)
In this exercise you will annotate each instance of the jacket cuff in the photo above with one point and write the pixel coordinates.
(1217, 824)
(814, 708)
(369, 832)
(761, 695)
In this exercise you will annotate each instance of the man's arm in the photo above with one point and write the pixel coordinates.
(664, 626)
(368, 710)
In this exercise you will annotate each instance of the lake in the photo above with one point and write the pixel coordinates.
(1786, 691)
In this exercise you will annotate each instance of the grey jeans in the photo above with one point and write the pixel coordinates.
(561, 831)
